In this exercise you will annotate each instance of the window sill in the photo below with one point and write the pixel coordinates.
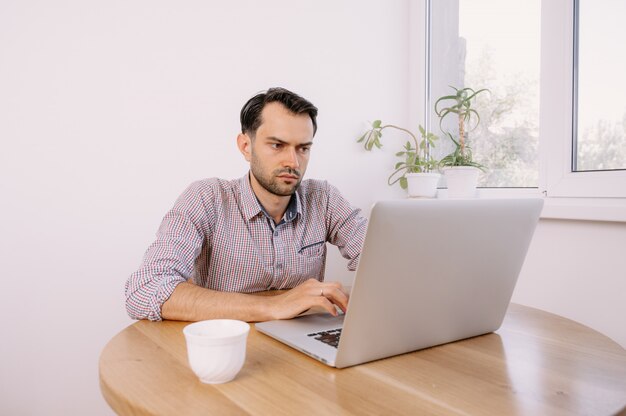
(586, 209)
(578, 209)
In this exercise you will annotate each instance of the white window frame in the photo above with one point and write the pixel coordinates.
(596, 196)
(557, 113)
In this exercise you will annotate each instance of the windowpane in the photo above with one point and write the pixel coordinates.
(601, 116)
(491, 44)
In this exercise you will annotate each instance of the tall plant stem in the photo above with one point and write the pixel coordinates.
(462, 134)
(406, 131)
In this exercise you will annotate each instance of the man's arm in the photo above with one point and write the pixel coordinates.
(189, 302)
(169, 261)
(346, 227)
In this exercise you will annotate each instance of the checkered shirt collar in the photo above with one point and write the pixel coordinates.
(252, 207)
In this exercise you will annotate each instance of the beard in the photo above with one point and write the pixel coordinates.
(270, 181)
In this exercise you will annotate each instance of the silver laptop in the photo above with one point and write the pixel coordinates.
(430, 272)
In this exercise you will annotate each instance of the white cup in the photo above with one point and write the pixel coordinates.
(216, 349)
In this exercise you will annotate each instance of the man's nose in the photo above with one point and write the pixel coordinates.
(291, 159)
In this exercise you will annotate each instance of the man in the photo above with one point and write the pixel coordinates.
(224, 240)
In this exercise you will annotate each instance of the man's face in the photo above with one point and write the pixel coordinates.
(279, 152)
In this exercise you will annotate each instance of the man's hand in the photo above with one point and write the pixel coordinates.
(310, 294)
(192, 303)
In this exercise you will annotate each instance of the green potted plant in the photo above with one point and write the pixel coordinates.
(414, 171)
(459, 167)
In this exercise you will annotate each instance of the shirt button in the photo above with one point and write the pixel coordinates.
(275, 233)
(279, 265)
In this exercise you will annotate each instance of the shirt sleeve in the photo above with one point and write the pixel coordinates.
(346, 227)
(170, 258)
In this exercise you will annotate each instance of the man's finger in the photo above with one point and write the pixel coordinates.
(326, 304)
(337, 297)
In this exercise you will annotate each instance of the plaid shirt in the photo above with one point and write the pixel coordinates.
(219, 235)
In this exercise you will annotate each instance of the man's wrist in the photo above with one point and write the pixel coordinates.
(266, 306)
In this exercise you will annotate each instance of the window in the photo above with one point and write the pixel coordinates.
(492, 44)
(582, 126)
(600, 109)
(556, 120)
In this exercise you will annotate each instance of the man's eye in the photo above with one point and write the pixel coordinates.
(276, 145)
(305, 149)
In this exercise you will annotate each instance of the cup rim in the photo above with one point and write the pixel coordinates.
(239, 329)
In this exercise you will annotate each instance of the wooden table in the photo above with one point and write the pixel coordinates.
(537, 363)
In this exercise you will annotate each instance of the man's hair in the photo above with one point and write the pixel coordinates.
(251, 112)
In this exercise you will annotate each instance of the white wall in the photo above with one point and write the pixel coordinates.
(109, 109)
(576, 269)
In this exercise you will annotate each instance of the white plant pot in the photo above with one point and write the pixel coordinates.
(461, 181)
(422, 185)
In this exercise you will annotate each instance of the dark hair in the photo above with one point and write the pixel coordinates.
(250, 116)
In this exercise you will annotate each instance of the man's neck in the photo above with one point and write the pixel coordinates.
(274, 205)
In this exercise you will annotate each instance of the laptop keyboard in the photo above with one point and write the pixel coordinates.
(330, 337)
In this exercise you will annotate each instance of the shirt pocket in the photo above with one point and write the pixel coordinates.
(313, 249)
(310, 261)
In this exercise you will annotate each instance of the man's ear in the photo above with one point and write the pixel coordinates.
(244, 143)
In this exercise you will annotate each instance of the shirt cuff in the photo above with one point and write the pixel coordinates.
(162, 294)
